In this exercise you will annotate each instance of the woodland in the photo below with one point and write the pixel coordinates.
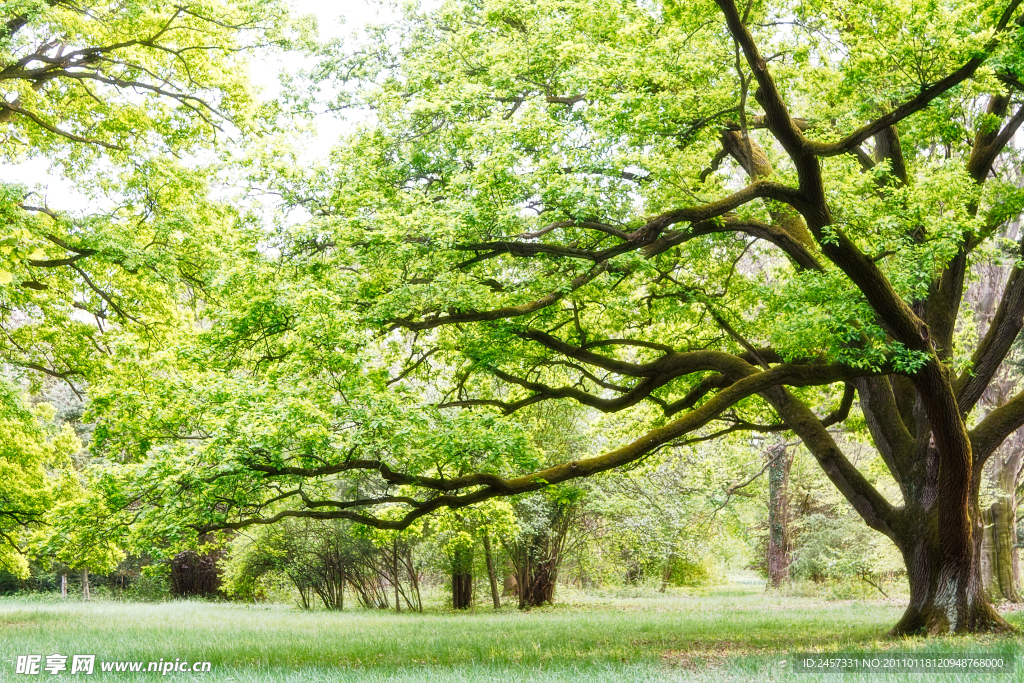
(577, 295)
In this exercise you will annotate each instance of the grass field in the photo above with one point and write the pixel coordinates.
(731, 634)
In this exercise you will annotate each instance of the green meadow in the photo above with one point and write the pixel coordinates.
(727, 634)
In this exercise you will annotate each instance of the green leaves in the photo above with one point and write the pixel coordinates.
(537, 205)
(80, 81)
(36, 471)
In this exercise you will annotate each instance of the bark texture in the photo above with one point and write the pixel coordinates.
(462, 578)
(999, 558)
(778, 560)
(492, 576)
(462, 590)
(946, 596)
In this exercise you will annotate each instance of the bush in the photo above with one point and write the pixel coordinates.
(839, 549)
(691, 572)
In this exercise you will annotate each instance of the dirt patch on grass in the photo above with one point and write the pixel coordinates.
(15, 624)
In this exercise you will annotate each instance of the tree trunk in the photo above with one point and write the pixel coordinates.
(946, 596)
(666, 572)
(462, 578)
(537, 583)
(938, 530)
(63, 585)
(941, 528)
(462, 590)
(491, 575)
(85, 583)
(1000, 569)
(943, 569)
(394, 574)
(414, 581)
(778, 560)
(537, 556)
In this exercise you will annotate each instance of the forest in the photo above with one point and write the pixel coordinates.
(547, 318)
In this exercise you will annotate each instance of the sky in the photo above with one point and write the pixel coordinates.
(334, 20)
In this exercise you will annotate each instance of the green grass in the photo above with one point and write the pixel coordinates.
(736, 634)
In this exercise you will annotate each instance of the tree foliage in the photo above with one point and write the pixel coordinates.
(36, 470)
(113, 95)
(698, 219)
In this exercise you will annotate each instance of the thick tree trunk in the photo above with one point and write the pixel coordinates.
(946, 591)
(938, 529)
(491, 574)
(780, 462)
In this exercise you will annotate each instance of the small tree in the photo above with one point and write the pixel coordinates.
(538, 546)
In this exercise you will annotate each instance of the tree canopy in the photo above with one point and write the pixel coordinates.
(113, 95)
(693, 219)
(35, 467)
(125, 78)
(121, 99)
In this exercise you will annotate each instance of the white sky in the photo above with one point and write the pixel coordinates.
(334, 20)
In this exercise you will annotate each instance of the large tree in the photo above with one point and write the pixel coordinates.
(699, 218)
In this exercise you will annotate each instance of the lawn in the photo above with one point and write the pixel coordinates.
(731, 634)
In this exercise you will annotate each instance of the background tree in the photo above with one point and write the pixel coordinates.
(779, 542)
(676, 517)
(459, 533)
(540, 544)
(999, 569)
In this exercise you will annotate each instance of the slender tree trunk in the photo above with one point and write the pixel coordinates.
(1000, 568)
(780, 462)
(523, 572)
(666, 572)
(394, 573)
(63, 585)
(462, 578)
(85, 583)
(491, 574)
(414, 581)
